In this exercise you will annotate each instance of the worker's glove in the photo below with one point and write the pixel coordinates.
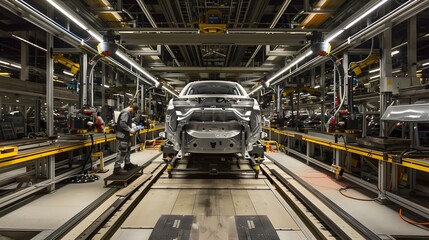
(135, 129)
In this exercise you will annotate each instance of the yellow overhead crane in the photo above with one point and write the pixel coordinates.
(357, 67)
(74, 67)
(211, 22)
(310, 90)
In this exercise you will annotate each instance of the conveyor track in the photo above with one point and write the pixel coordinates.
(214, 208)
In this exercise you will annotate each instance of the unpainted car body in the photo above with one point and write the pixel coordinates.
(214, 117)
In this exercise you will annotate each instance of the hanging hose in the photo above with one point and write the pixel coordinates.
(88, 157)
(93, 62)
(342, 94)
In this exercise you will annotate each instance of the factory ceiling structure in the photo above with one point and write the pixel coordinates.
(207, 95)
(177, 42)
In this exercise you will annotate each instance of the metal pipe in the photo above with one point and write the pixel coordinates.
(406, 10)
(34, 16)
(154, 25)
(272, 25)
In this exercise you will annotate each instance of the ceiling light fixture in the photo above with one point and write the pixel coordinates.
(15, 65)
(95, 35)
(138, 67)
(65, 12)
(373, 77)
(99, 38)
(171, 92)
(394, 52)
(374, 70)
(68, 73)
(289, 66)
(334, 36)
(5, 63)
(28, 42)
(366, 13)
(425, 64)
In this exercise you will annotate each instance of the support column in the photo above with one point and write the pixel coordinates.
(50, 102)
(382, 180)
(279, 98)
(412, 50)
(345, 78)
(385, 71)
(394, 179)
(310, 151)
(322, 95)
(37, 109)
(142, 101)
(312, 77)
(24, 59)
(84, 81)
(103, 83)
(411, 178)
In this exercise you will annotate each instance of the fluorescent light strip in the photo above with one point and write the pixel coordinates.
(68, 73)
(59, 8)
(375, 70)
(16, 65)
(124, 57)
(365, 14)
(28, 42)
(106, 86)
(168, 90)
(355, 21)
(96, 35)
(5, 63)
(425, 64)
(255, 90)
(395, 52)
(373, 77)
(99, 38)
(317, 86)
(334, 36)
(289, 66)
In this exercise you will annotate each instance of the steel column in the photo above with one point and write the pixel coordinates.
(382, 180)
(385, 71)
(83, 88)
(24, 59)
(103, 83)
(279, 98)
(322, 95)
(412, 50)
(50, 108)
(345, 77)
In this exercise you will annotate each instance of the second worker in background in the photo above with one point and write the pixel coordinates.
(123, 130)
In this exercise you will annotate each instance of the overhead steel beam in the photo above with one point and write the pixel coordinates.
(213, 39)
(146, 12)
(212, 69)
(272, 25)
(396, 16)
(31, 14)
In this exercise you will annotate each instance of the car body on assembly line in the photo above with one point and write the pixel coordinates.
(213, 117)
